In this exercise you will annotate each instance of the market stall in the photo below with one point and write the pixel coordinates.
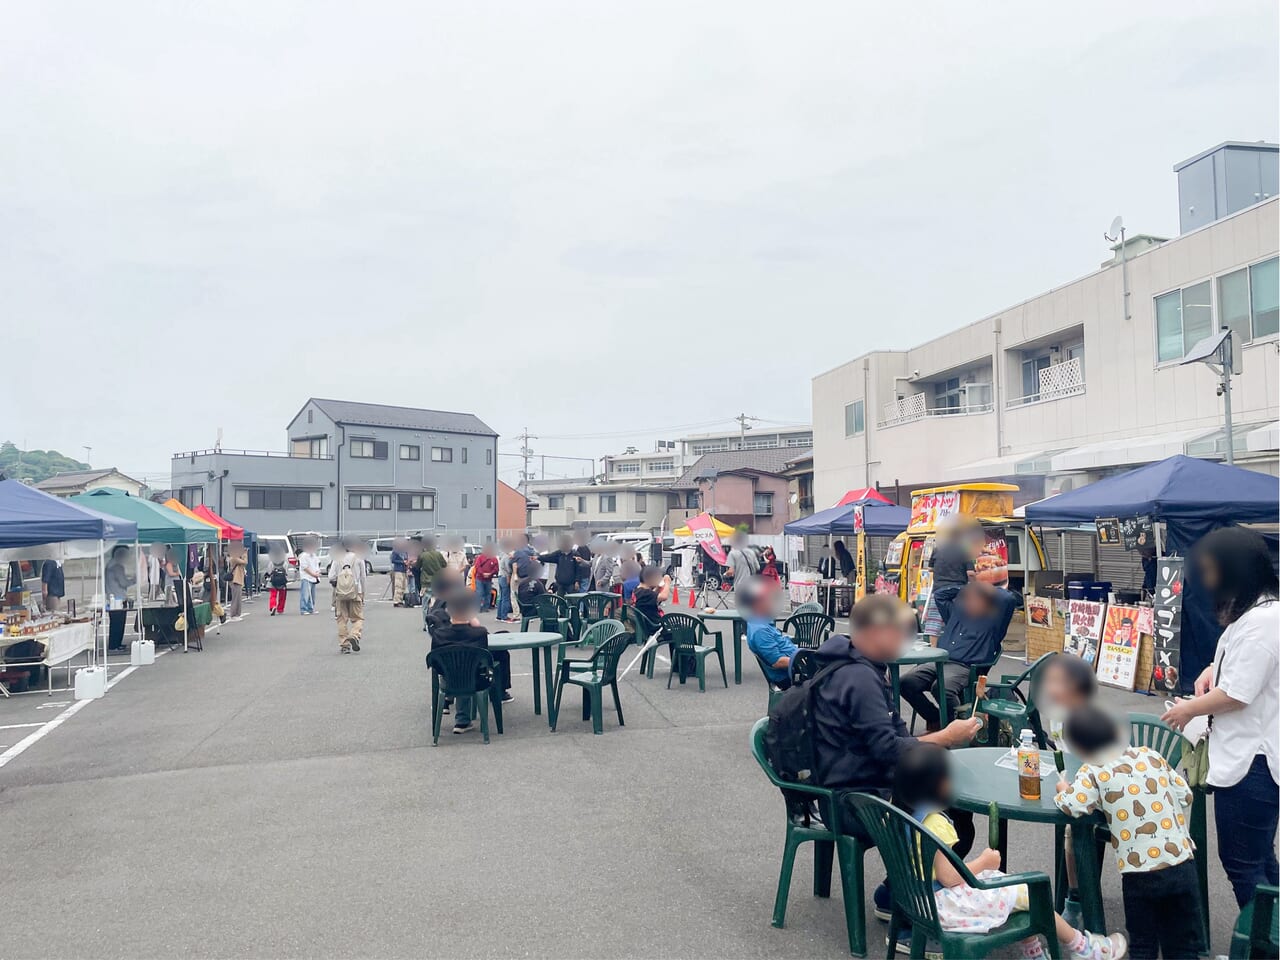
(1178, 500)
(168, 532)
(35, 526)
(868, 514)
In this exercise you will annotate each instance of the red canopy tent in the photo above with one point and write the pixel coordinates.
(862, 496)
(227, 530)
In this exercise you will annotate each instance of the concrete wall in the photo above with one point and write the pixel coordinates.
(733, 502)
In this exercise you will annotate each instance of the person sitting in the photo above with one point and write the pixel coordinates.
(448, 584)
(1066, 683)
(976, 623)
(464, 629)
(530, 588)
(922, 789)
(774, 648)
(1146, 804)
(653, 590)
(630, 573)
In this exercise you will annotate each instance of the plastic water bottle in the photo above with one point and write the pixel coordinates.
(1028, 766)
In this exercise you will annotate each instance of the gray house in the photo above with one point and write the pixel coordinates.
(352, 467)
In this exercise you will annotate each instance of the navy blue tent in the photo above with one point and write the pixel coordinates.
(879, 519)
(1192, 497)
(31, 517)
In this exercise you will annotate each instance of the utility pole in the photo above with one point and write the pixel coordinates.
(743, 427)
(525, 453)
(88, 452)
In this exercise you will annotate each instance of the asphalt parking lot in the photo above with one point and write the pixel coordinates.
(268, 797)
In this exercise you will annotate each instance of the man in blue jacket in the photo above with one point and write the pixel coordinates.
(977, 619)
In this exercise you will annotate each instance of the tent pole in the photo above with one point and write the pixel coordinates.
(102, 584)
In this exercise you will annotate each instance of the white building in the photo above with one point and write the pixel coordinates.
(1064, 388)
(670, 458)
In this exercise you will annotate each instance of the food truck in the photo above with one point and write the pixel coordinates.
(1010, 549)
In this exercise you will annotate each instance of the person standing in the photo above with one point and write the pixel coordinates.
(430, 563)
(743, 563)
(118, 580)
(584, 578)
(308, 578)
(455, 555)
(1240, 694)
(604, 569)
(486, 568)
(399, 572)
(53, 585)
(347, 577)
(844, 558)
(237, 562)
(278, 577)
(505, 579)
(568, 566)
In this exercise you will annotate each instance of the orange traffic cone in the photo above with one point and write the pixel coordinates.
(675, 594)
(692, 597)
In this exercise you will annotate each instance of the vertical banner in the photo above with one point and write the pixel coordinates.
(859, 526)
(705, 535)
(1167, 617)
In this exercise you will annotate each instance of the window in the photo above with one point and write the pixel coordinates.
(708, 446)
(627, 467)
(1264, 286)
(692, 499)
(855, 418)
(312, 447)
(762, 504)
(802, 440)
(464, 501)
(369, 449)
(442, 454)
(946, 395)
(278, 498)
(582, 504)
(409, 451)
(660, 466)
(417, 501)
(191, 496)
(1183, 318)
(488, 457)
(488, 501)
(608, 503)
(464, 454)
(642, 502)
(1031, 368)
(1076, 352)
(760, 443)
(369, 501)
(311, 415)
(555, 501)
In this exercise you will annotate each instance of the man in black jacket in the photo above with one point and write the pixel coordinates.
(570, 567)
(858, 733)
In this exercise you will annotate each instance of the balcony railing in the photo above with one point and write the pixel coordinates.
(251, 453)
(914, 408)
(1056, 381)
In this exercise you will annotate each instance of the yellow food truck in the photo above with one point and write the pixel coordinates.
(1010, 549)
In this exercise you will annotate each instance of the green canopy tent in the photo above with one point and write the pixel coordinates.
(156, 524)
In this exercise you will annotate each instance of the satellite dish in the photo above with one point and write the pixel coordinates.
(1116, 226)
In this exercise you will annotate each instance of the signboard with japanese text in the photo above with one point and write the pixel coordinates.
(1166, 668)
(1118, 654)
(1084, 629)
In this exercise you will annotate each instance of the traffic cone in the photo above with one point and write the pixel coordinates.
(675, 594)
(692, 597)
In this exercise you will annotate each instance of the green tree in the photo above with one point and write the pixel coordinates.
(34, 465)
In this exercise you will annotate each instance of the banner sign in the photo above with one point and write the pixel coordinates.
(858, 523)
(704, 534)
(1084, 629)
(1137, 533)
(992, 563)
(1108, 530)
(1167, 616)
(928, 508)
(1118, 655)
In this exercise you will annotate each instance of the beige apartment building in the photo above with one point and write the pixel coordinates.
(1064, 388)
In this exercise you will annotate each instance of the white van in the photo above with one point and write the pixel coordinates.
(270, 547)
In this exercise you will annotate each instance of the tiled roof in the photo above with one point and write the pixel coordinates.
(404, 418)
(773, 460)
(74, 478)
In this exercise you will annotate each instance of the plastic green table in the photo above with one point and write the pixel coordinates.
(533, 641)
(575, 606)
(976, 782)
(914, 657)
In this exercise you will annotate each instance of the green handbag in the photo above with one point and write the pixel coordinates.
(1197, 762)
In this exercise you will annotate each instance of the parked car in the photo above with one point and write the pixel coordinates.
(270, 547)
(323, 559)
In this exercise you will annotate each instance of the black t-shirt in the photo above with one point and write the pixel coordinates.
(951, 563)
(528, 592)
(453, 634)
(646, 602)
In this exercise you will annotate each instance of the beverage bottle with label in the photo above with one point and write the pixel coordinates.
(979, 692)
(1028, 766)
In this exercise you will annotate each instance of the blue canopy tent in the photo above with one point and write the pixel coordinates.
(879, 520)
(1191, 497)
(31, 517)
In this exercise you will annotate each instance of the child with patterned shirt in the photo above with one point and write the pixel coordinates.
(922, 788)
(1146, 804)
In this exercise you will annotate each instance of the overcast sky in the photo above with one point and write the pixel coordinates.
(549, 213)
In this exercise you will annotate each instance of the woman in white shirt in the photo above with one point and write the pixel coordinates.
(1240, 693)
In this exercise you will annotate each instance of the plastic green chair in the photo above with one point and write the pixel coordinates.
(688, 637)
(643, 628)
(556, 617)
(809, 606)
(1257, 931)
(601, 671)
(1148, 730)
(595, 636)
(968, 695)
(597, 607)
(1006, 700)
(467, 672)
(908, 849)
(808, 629)
(828, 840)
(775, 691)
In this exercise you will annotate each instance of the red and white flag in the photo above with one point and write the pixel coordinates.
(704, 532)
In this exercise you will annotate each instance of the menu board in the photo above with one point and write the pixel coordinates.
(1108, 530)
(928, 508)
(1039, 611)
(1084, 629)
(1137, 533)
(1118, 654)
(1166, 668)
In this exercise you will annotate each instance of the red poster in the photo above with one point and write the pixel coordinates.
(704, 532)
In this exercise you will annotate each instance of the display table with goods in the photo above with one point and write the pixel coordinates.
(60, 640)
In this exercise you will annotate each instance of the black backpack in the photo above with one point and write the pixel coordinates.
(788, 740)
(279, 579)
